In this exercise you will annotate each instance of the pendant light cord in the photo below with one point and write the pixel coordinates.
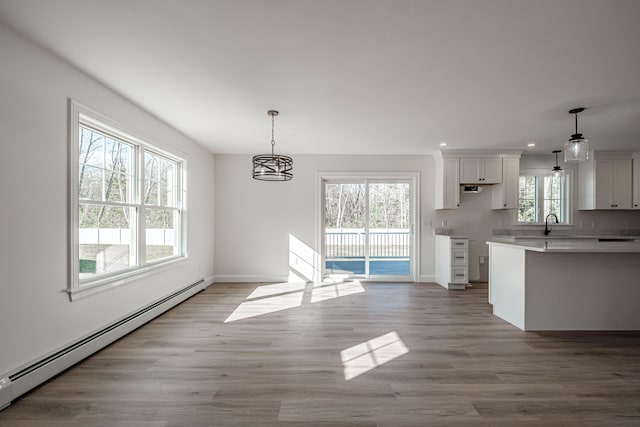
(273, 139)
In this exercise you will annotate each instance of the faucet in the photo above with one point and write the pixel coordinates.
(546, 223)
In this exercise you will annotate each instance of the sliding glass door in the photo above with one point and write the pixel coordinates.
(368, 228)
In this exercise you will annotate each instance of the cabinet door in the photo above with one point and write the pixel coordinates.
(636, 184)
(622, 179)
(604, 184)
(505, 195)
(470, 171)
(451, 184)
(491, 172)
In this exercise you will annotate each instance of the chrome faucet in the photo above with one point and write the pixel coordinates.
(546, 223)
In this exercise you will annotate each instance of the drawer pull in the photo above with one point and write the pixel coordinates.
(459, 275)
(459, 257)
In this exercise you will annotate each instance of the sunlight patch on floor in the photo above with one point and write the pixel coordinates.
(266, 305)
(323, 292)
(277, 288)
(364, 357)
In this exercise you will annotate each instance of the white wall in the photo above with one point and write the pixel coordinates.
(254, 218)
(36, 316)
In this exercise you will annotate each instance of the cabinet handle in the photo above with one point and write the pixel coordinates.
(459, 275)
(459, 243)
(459, 257)
(505, 205)
(458, 204)
(636, 205)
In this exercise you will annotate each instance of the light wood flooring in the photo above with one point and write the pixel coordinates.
(377, 354)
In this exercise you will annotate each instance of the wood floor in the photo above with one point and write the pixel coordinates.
(378, 354)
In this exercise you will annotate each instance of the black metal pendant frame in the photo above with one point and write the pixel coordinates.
(272, 167)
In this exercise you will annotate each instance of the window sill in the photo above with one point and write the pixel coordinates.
(100, 285)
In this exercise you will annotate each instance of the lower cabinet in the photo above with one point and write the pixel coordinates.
(452, 261)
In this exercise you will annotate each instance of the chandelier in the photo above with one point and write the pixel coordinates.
(272, 167)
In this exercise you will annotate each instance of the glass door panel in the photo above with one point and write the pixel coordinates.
(389, 231)
(344, 228)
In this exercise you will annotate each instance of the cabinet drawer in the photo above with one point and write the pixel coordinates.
(459, 243)
(459, 257)
(459, 275)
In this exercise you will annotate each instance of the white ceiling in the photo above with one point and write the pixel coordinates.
(359, 76)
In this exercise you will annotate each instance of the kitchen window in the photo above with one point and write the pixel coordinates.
(540, 194)
(125, 203)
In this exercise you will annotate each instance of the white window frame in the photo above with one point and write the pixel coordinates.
(80, 114)
(567, 202)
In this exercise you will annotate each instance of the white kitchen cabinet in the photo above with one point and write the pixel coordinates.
(606, 181)
(447, 183)
(452, 261)
(636, 183)
(505, 195)
(481, 171)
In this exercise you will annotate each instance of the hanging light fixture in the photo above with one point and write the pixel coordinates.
(577, 148)
(557, 171)
(272, 167)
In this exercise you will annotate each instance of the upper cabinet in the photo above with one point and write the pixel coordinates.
(636, 183)
(606, 181)
(457, 167)
(505, 195)
(447, 183)
(480, 170)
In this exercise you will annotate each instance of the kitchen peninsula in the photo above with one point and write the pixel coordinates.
(578, 283)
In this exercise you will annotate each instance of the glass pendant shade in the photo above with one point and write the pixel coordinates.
(576, 150)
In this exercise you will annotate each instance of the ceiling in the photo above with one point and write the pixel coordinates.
(359, 76)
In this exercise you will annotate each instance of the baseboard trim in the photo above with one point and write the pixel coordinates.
(428, 278)
(15, 383)
(236, 278)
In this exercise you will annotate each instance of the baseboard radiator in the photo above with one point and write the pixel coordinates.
(17, 383)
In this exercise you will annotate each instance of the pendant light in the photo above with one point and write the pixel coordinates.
(577, 148)
(272, 167)
(557, 171)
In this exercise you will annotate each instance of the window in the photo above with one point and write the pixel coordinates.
(126, 202)
(539, 195)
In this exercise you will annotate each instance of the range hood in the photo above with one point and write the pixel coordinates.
(471, 188)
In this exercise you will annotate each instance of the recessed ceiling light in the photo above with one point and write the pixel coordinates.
(531, 144)
(443, 144)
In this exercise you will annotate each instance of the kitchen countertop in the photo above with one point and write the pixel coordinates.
(571, 244)
(448, 233)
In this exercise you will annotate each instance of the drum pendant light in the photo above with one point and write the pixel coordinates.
(272, 167)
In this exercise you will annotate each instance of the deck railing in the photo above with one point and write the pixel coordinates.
(382, 244)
